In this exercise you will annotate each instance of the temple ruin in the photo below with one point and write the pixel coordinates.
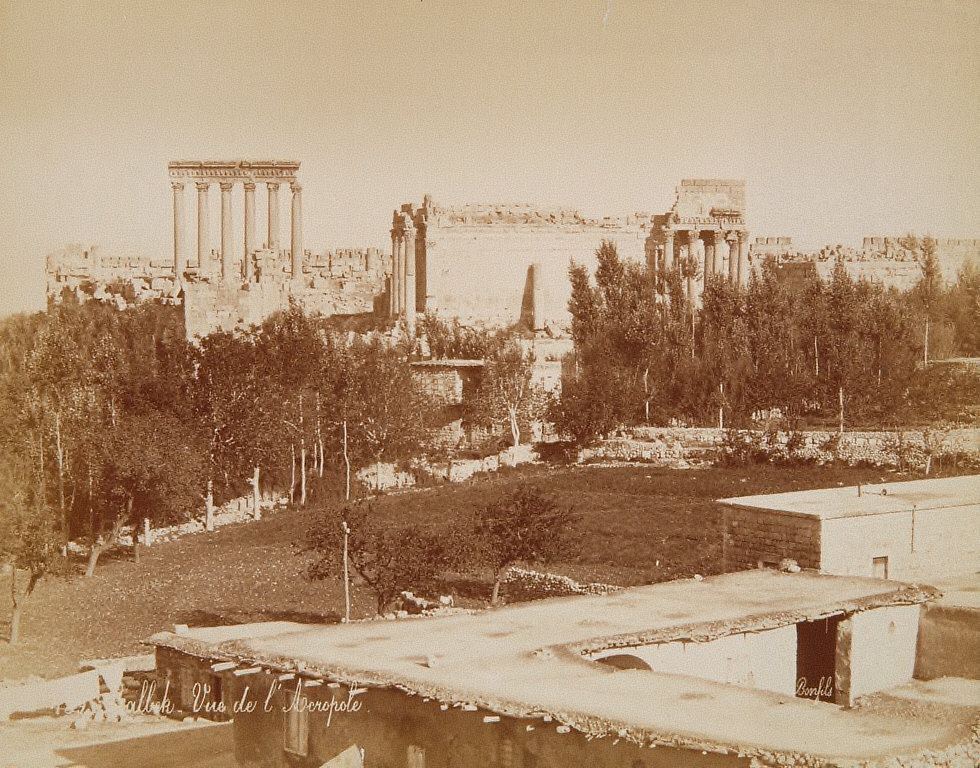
(703, 236)
(498, 264)
(493, 264)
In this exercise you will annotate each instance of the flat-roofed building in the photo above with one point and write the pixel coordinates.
(726, 670)
(919, 530)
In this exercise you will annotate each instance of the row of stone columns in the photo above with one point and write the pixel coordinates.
(227, 246)
(714, 257)
(402, 288)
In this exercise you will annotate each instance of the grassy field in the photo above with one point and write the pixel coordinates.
(638, 524)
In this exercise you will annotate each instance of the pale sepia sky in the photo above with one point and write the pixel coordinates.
(845, 118)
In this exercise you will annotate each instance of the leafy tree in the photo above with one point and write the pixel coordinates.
(507, 396)
(523, 525)
(928, 291)
(389, 558)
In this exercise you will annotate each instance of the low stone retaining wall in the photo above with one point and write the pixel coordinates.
(679, 446)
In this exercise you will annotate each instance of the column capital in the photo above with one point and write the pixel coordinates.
(177, 186)
(202, 186)
(295, 187)
(693, 234)
(272, 185)
(742, 235)
(249, 186)
(226, 185)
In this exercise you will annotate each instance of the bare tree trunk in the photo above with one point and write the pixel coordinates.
(816, 358)
(497, 579)
(209, 507)
(319, 438)
(61, 476)
(646, 395)
(925, 345)
(256, 510)
(302, 476)
(14, 605)
(515, 431)
(292, 472)
(99, 546)
(346, 465)
(840, 398)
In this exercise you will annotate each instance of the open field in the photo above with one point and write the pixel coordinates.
(631, 518)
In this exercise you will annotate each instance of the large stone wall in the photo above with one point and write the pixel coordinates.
(88, 273)
(878, 260)
(474, 262)
(338, 282)
(343, 282)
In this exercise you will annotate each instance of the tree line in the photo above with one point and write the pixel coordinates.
(813, 351)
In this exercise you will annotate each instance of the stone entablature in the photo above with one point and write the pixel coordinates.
(242, 170)
(525, 214)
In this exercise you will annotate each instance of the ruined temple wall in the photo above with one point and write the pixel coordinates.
(481, 273)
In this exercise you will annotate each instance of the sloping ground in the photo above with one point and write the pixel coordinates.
(632, 517)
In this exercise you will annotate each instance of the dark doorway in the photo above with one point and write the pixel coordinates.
(816, 658)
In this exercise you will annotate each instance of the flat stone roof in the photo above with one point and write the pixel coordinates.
(527, 660)
(875, 499)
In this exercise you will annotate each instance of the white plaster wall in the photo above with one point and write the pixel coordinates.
(883, 643)
(763, 660)
(944, 542)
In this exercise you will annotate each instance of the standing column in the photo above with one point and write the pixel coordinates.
(743, 258)
(411, 301)
(668, 250)
(226, 246)
(296, 233)
(718, 267)
(249, 220)
(203, 228)
(402, 275)
(179, 257)
(709, 262)
(732, 258)
(273, 227)
(393, 283)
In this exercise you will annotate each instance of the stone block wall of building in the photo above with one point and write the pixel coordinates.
(920, 545)
(756, 536)
(89, 273)
(476, 261)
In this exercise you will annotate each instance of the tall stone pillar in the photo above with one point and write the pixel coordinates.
(227, 256)
(393, 308)
(296, 231)
(402, 275)
(273, 226)
(203, 228)
(180, 257)
(732, 258)
(668, 250)
(411, 300)
(709, 262)
(249, 219)
(743, 258)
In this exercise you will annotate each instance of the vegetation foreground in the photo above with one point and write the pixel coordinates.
(637, 524)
